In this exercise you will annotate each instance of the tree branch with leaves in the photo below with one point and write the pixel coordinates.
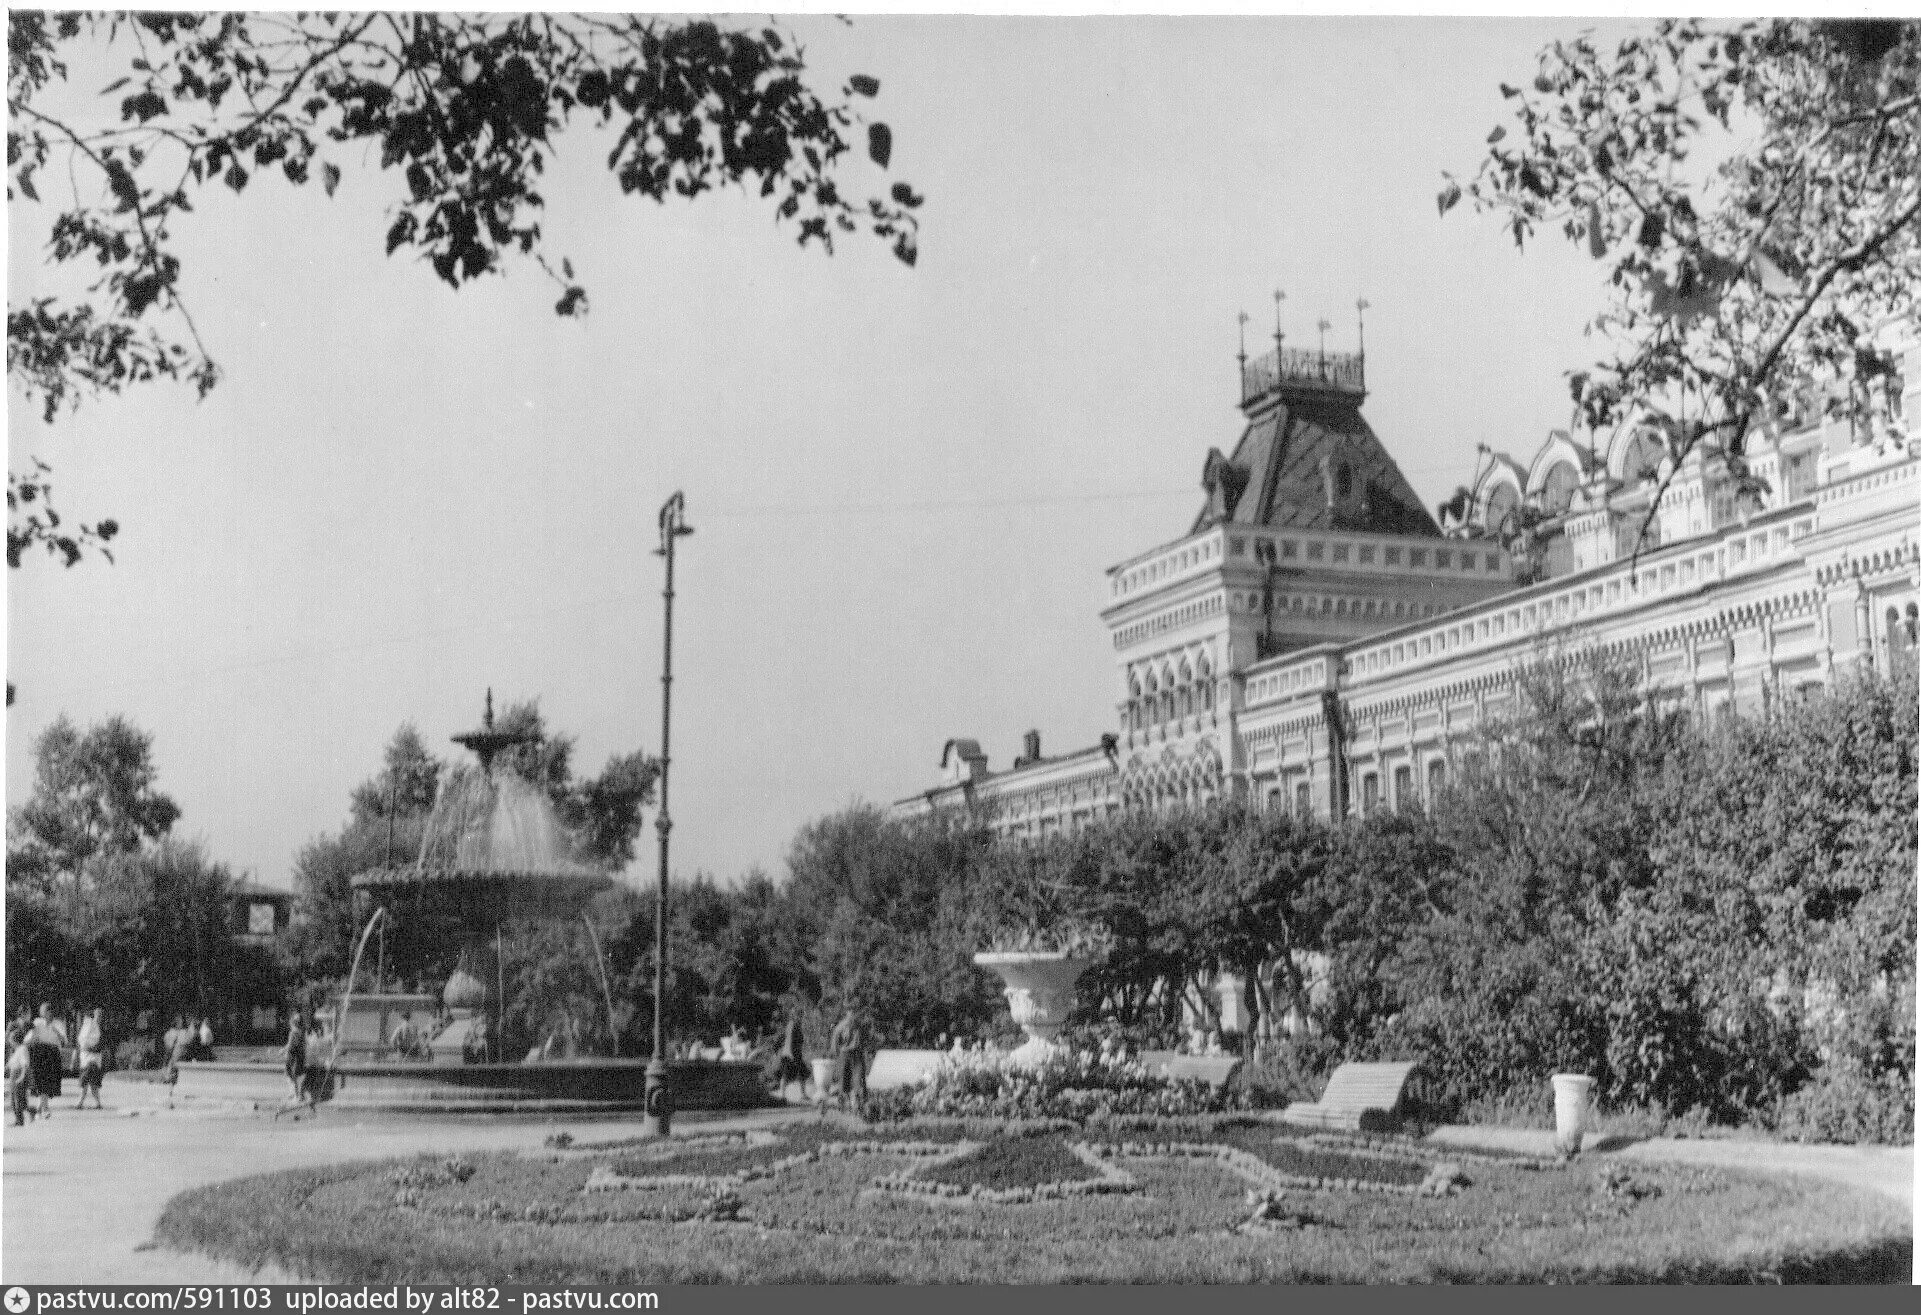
(1740, 285)
(468, 108)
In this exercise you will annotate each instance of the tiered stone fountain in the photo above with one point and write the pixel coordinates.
(494, 851)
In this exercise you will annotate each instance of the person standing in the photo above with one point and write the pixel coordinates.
(44, 1044)
(180, 1048)
(848, 1045)
(405, 1041)
(294, 1057)
(93, 1064)
(205, 1050)
(791, 1066)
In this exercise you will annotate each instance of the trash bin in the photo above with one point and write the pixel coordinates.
(1570, 1110)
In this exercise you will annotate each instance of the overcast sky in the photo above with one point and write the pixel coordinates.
(906, 484)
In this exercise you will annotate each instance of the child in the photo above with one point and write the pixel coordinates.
(17, 1076)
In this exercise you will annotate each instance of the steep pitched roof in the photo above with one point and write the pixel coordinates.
(1312, 463)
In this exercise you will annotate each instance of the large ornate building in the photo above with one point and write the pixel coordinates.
(1316, 641)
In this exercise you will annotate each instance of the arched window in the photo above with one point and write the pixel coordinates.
(1499, 517)
(1557, 491)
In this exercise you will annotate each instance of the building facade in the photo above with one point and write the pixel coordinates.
(1318, 643)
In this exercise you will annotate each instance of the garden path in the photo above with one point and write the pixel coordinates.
(1888, 1170)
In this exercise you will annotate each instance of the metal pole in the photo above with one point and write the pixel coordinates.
(659, 1093)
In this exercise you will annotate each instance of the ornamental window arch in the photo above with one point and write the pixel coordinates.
(1498, 495)
(1558, 488)
(1554, 475)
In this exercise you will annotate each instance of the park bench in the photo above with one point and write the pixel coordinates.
(1359, 1097)
(1214, 1070)
(901, 1068)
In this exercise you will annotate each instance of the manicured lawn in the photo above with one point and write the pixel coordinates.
(818, 1218)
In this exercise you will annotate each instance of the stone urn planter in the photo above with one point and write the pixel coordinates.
(1570, 1110)
(823, 1079)
(1040, 995)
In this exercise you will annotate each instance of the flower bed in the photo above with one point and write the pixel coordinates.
(1013, 1162)
(1013, 1171)
(1281, 1165)
(1078, 1085)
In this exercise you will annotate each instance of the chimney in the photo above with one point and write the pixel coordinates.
(1030, 749)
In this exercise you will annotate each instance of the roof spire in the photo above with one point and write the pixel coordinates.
(1279, 337)
(1360, 317)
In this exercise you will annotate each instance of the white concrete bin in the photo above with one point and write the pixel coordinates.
(1570, 1110)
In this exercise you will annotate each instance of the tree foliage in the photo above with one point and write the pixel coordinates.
(104, 906)
(1736, 283)
(94, 797)
(467, 109)
(1716, 919)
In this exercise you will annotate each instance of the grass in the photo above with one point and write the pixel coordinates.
(820, 1221)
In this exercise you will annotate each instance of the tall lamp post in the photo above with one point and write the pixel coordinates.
(659, 1092)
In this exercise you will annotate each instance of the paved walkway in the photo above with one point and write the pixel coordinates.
(1888, 1170)
(83, 1191)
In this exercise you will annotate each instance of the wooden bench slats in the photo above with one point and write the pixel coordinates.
(1359, 1096)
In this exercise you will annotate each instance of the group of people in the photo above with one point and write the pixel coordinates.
(37, 1049)
(846, 1049)
(306, 1060)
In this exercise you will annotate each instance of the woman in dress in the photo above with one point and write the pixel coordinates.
(44, 1044)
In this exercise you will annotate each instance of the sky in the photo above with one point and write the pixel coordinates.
(906, 484)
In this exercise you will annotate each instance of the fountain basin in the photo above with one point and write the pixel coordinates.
(577, 1086)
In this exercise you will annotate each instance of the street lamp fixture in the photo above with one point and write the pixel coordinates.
(659, 1091)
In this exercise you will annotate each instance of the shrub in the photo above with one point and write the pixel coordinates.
(1845, 1105)
(1283, 1074)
